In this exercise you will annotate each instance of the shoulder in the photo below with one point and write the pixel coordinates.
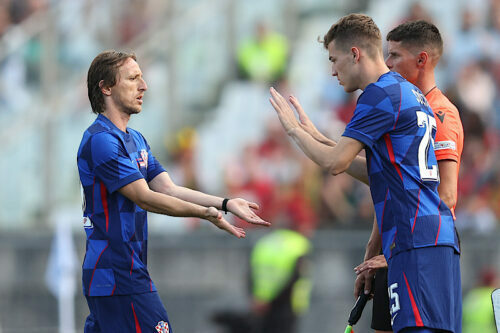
(373, 95)
(95, 133)
(445, 112)
(138, 137)
(439, 101)
(104, 145)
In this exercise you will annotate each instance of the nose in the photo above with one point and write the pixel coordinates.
(143, 86)
(388, 62)
(334, 72)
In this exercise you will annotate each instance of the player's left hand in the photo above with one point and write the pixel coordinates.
(284, 111)
(363, 283)
(245, 211)
(214, 216)
(371, 264)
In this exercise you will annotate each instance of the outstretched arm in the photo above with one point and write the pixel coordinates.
(336, 157)
(356, 169)
(240, 207)
(139, 192)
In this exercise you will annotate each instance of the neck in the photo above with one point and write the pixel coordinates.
(426, 81)
(119, 119)
(372, 71)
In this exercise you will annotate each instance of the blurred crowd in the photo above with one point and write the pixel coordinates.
(289, 188)
(79, 31)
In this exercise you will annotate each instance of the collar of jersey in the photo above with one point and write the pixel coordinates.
(106, 120)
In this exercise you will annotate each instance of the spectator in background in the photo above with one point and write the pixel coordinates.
(135, 18)
(279, 282)
(181, 148)
(264, 56)
(477, 307)
(416, 12)
(4, 19)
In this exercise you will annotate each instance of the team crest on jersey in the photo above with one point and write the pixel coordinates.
(87, 223)
(162, 327)
(143, 159)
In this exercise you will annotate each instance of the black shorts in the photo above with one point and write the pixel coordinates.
(381, 318)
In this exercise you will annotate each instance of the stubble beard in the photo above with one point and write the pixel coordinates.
(127, 109)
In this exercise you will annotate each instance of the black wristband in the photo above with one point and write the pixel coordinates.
(224, 205)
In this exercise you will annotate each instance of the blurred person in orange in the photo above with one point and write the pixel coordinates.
(121, 181)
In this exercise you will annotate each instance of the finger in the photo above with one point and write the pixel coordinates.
(368, 286)
(361, 268)
(260, 222)
(300, 111)
(358, 284)
(255, 219)
(275, 106)
(238, 232)
(278, 98)
(253, 205)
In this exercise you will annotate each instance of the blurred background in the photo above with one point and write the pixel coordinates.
(206, 115)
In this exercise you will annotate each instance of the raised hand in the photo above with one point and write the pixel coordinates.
(305, 122)
(371, 264)
(284, 111)
(245, 211)
(214, 216)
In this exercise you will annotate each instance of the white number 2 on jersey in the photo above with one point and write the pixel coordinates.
(429, 123)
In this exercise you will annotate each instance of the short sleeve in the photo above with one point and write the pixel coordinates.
(373, 117)
(112, 165)
(154, 167)
(447, 141)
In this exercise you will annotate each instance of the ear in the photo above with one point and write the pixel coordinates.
(422, 59)
(105, 90)
(356, 54)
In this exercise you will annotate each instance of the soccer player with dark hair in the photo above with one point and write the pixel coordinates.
(395, 125)
(122, 181)
(414, 50)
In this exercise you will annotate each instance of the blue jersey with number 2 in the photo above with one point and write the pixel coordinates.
(397, 126)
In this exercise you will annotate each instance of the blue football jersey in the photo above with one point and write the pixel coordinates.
(116, 250)
(397, 126)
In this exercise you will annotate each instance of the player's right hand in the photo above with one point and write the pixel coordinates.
(284, 111)
(372, 264)
(214, 216)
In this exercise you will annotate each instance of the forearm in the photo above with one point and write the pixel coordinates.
(358, 170)
(163, 184)
(447, 189)
(196, 197)
(160, 203)
(318, 136)
(374, 244)
(318, 152)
